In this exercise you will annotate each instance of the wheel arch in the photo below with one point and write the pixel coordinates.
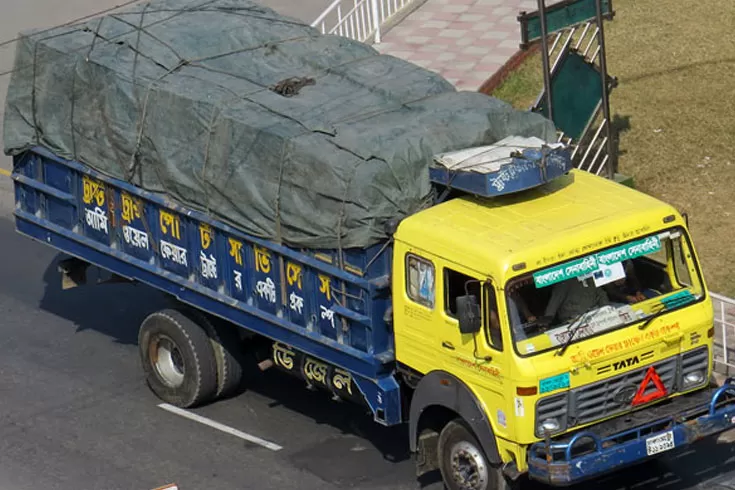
(437, 397)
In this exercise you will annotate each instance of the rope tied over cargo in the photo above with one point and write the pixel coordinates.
(134, 160)
(182, 104)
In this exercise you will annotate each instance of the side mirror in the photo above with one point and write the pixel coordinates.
(468, 312)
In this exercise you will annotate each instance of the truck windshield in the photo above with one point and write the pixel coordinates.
(591, 294)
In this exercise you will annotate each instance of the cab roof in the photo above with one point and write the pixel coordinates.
(569, 216)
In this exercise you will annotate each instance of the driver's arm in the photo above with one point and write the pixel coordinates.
(524, 309)
(559, 293)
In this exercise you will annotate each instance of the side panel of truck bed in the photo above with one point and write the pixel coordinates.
(287, 295)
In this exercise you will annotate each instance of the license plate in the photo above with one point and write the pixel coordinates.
(660, 443)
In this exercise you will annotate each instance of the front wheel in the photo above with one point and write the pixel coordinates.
(463, 463)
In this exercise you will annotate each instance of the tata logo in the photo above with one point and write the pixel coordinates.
(626, 363)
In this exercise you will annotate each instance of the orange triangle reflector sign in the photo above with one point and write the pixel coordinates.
(651, 377)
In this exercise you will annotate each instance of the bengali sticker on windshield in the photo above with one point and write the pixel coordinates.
(552, 275)
(591, 263)
(629, 251)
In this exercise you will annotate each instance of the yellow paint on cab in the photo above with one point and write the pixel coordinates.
(484, 238)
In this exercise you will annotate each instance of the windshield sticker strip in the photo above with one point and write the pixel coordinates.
(591, 263)
(552, 275)
(558, 382)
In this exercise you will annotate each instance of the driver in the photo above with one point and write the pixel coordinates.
(572, 298)
(518, 310)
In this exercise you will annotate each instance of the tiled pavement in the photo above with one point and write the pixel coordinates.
(466, 41)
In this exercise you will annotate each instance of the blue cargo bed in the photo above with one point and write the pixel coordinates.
(328, 305)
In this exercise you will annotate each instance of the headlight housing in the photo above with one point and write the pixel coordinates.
(694, 369)
(692, 379)
(551, 414)
(550, 425)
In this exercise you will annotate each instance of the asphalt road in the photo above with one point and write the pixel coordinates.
(75, 412)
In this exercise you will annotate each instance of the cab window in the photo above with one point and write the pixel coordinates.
(606, 290)
(457, 284)
(420, 280)
(492, 320)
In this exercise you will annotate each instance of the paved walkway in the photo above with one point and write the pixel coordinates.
(466, 41)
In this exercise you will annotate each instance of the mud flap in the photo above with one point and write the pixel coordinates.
(427, 454)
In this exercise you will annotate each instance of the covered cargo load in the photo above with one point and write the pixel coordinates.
(310, 140)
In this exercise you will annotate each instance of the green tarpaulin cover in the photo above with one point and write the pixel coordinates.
(185, 98)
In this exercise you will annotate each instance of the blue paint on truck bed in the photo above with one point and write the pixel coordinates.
(328, 305)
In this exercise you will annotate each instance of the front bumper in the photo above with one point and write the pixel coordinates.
(603, 448)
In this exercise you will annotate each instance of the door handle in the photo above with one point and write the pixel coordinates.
(447, 345)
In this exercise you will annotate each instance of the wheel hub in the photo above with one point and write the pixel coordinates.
(167, 361)
(469, 468)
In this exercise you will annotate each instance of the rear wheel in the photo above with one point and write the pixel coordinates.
(178, 359)
(463, 463)
(227, 353)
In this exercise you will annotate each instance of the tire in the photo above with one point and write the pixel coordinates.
(463, 463)
(178, 359)
(227, 353)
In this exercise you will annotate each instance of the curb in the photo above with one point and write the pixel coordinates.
(511, 65)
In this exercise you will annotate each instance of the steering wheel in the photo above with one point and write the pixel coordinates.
(541, 323)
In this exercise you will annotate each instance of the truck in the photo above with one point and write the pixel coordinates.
(442, 328)
(529, 320)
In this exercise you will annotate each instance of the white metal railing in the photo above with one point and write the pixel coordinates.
(724, 330)
(359, 19)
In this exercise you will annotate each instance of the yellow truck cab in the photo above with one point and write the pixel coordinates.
(571, 308)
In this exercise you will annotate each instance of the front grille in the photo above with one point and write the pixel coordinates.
(598, 400)
(613, 396)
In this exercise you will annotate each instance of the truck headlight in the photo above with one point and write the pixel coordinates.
(549, 425)
(551, 414)
(695, 378)
(694, 366)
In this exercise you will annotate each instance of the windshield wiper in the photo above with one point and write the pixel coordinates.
(667, 305)
(572, 330)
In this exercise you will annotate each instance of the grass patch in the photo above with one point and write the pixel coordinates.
(676, 112)
(523, 85)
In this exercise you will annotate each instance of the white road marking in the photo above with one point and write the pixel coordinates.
(216, 425)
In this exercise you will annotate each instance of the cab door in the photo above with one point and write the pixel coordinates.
(479, 359)
(417, 328)
(427, 335)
